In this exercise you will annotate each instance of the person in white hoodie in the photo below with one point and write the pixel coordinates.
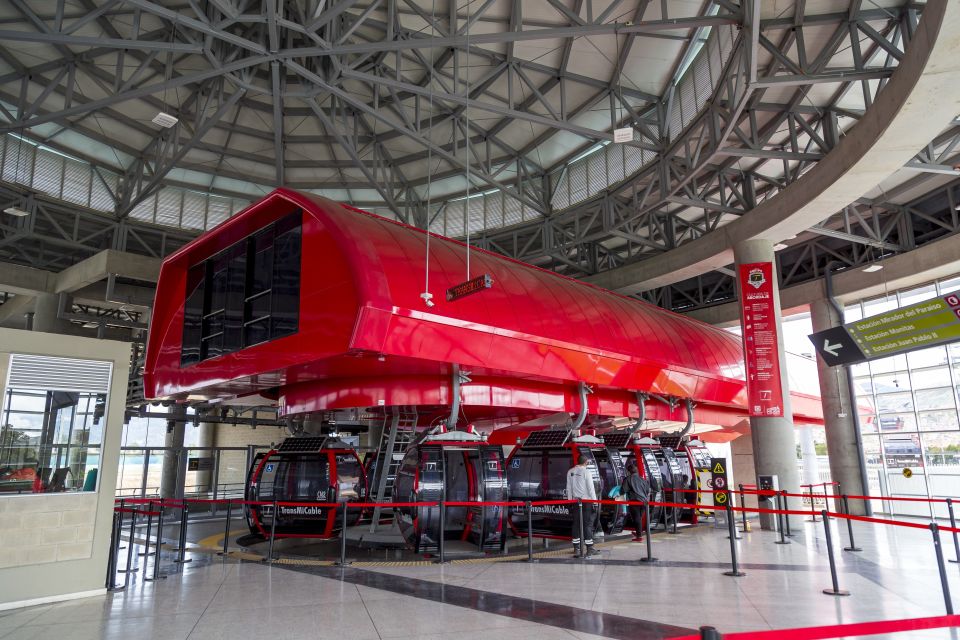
(580, 486)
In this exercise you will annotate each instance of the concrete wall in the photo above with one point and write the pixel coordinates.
(54, 546)
(233, 469)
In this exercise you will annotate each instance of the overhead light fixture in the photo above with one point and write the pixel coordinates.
(957, 207)
(873, 268)
(165, 120)
(779, 246)
(16, 211)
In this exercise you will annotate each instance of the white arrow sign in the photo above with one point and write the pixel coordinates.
(831, 348)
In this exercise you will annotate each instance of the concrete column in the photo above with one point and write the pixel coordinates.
(45, 314)
(774, 443)
(170, 486)
(810, 469)
(839, 413)
(205, 439)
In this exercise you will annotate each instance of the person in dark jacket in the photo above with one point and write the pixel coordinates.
(636, 489)
(580, 487)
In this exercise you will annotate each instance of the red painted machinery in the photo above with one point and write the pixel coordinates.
(318, 305)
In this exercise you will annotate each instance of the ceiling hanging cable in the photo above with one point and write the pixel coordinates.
(466, 203)
(426, 295)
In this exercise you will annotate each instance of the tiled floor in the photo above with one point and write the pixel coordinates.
(615, 596)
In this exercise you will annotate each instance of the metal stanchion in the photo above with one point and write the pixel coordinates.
(583, 541)
(734, 565)
(122, 500)
(674, 511)
(780, 518)
(743, 503)
(846, 510)
(156, 554)
(944, 585)
(730, 499)
(182, 537)
(953, 525)
(128, 570)
(529, 507)
(114, 552)
(786, 516)
(710, 633)
(813, 507)
(836, 590)
(441, 542)
(343, 535)
(273, 530)
(646, 526)
(149, 529)
(226, 528)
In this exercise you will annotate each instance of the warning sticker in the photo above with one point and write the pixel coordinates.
(718, 466)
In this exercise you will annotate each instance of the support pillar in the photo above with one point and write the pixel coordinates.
(45, 312)
(809, 465)
(839, 413)
(205, 439)
(774, 442)
(170, 480)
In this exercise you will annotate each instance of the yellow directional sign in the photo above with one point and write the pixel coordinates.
(718, 468)
(907, 473)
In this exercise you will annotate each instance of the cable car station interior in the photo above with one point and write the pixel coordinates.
(632, 319)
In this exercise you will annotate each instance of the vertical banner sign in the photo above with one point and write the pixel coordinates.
(718, 471)
(760, 340)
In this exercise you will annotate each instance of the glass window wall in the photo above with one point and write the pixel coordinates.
(908, 413)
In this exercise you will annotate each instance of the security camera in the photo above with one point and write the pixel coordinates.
(427, 298)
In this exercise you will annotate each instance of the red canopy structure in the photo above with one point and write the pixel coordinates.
(365, 338)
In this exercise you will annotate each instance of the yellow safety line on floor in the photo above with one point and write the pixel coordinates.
(214, 543)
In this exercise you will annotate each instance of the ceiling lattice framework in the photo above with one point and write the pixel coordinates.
(408, 106)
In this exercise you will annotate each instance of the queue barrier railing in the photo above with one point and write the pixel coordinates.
(829, 632)
(138, 507)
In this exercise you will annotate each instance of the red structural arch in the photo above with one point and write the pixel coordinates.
(366, 338)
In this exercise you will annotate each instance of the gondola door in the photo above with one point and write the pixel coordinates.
(611, 469)
(430, 488)
(486, 522)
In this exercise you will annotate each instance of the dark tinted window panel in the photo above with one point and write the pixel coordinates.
(245, 295)
(261, 268)
(285, 304)
(192, 316)
(233, 313)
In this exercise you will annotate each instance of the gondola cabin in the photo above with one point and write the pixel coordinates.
(642, 449)
(451, 466)
(537, 471)
(304, 470)
(694, 459)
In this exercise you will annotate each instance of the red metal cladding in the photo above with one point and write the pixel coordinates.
(366, 338)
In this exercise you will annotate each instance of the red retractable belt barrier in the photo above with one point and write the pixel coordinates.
(842, 630)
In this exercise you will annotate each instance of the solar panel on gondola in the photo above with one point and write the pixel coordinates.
(617, 440)
(669, 441)
(302, 445)
(546, 439)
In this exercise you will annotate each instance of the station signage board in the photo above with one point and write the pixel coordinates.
(918, 326)
(469, 287)
(760, 340)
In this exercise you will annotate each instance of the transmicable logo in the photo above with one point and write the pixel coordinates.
(755, 278)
